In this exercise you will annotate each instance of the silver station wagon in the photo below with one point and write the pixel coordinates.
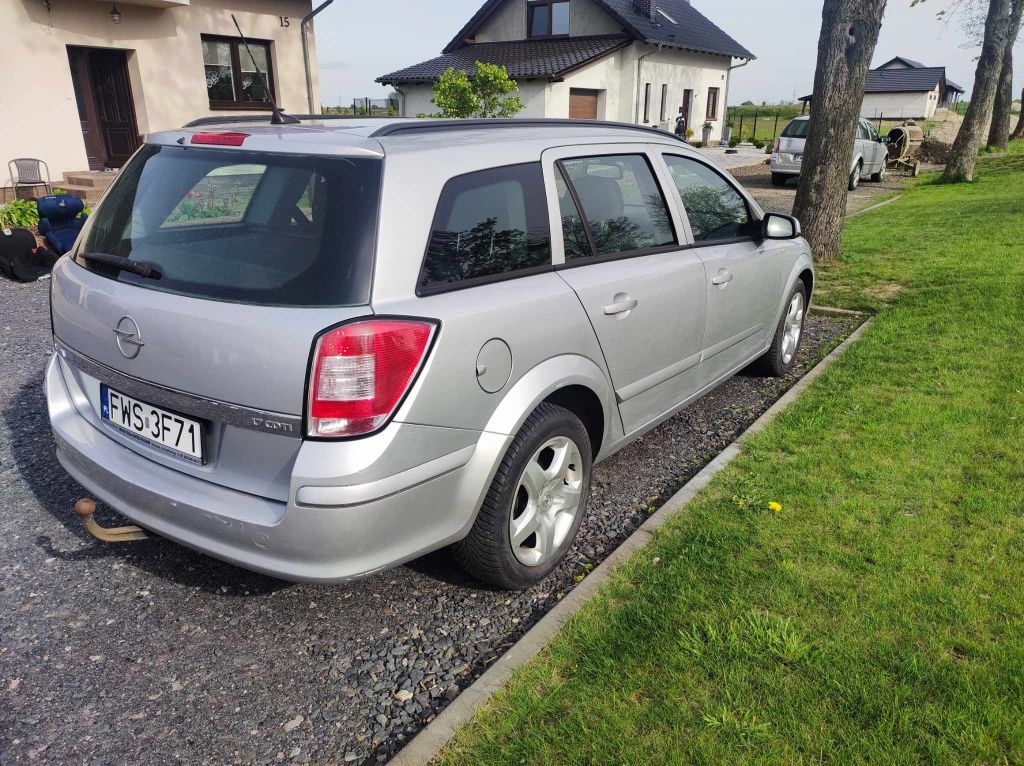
(323, 349)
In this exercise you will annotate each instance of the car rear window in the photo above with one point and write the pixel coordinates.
(248, 227)
(796, 129)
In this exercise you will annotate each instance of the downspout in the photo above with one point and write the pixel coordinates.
(639, 81)
(305, 51)
(728, 84)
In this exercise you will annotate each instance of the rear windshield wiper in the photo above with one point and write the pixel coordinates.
(122, 264)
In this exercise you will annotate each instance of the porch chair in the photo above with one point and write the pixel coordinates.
(29, 173)
(58, 220)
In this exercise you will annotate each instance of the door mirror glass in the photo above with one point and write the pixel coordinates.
(778, 226)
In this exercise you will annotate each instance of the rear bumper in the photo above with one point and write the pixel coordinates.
(785, 164)
(322, 534)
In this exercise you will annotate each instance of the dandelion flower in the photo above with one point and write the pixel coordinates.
(774, 506)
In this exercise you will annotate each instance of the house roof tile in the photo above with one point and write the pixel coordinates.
(691, 29)
(903, 80)
(524, 59)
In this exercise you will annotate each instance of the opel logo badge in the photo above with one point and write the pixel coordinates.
(128, 337)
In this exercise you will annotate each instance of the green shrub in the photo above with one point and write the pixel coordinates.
(19, 214)
(734, 142)
(758, 143)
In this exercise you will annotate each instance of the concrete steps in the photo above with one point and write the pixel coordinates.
(87, 184)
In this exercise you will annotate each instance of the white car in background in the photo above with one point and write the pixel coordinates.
(869, 153)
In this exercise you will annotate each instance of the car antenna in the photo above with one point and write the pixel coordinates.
(277, 117)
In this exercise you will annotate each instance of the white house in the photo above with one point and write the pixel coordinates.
(85, 79)
(902, 88)
(638, 61)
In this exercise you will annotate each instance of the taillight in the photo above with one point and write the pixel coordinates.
(778, 143)
(360, 373)
(220, 138)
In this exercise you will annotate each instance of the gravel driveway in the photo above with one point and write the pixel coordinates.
(149, 653)
(757, 179)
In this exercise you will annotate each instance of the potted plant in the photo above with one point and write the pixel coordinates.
(727, 132)
(708, 127)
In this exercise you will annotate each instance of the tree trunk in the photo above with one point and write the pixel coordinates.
(1018, 132)
(964, 154)
(849, 32)
(999, 133)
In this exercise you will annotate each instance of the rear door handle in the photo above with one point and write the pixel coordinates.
(724, 277)
(623, 305)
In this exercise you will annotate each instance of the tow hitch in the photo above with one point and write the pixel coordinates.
(85, 508)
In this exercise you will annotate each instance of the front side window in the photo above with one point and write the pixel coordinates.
(245, 227)
(232, 72)
(623, 208)
(715, 209)
(489, 223)
(547, 19)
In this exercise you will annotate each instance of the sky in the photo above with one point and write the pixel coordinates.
(359, 41)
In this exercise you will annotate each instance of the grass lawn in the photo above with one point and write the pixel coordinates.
(879, 616)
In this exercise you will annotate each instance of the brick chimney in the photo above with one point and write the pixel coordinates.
(644, 7)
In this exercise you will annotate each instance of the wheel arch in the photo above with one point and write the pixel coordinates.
(574, 382)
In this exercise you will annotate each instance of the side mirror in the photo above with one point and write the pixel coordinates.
(779, 226)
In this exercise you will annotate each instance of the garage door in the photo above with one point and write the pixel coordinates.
(583, 104)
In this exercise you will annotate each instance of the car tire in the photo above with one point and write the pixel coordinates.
(779, 179)
(527, 521)
(782, 354)
(879, 176)
(855, 177)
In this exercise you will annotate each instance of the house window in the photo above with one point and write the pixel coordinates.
(547, 18)
(664, 102)
(712, 113)
(647, 102)
(232, 80)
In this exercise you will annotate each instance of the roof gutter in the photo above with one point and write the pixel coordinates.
(639, 80)
(728, 84)
(304, 25)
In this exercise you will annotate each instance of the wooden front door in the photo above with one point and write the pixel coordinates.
(687, 107)
(78, 58)
(106, 109)
(582, 104)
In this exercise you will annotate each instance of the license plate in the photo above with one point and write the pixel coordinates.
(166, 431)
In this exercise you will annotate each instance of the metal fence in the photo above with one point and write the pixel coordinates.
(764, 125)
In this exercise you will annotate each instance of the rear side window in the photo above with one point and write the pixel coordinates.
(623, 208)
(247, 227)
(488, 225)
(714, 207)
(795, 129)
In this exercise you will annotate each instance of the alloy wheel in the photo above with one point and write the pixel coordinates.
(546, 501)
(793, 327)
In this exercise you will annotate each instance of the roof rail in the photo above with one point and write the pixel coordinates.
(424, 126)
(233, 119)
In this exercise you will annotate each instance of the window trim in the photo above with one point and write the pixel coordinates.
(236, 74)
(547, 4)
(594, 257)
(664, 101)
(711, 112)
(438, 288)
(753, 237)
